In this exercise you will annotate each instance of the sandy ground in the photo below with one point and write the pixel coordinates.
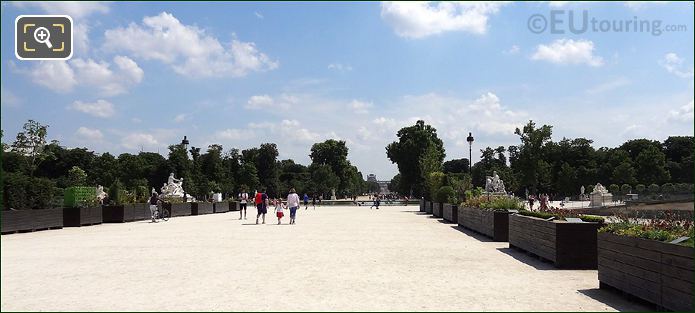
(334, 258)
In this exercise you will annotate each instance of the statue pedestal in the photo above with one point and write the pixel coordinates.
(597, 199)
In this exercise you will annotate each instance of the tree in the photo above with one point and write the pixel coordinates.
(527, 159)
(179, 164)
(624, 173)
(248, 176)
(651, 166)
(77, 177)
(566, 180)
(625, 189)
(31, 143)
(323, 178)
(395, 184)
(413, 142)
(456, 166)
(435, 181)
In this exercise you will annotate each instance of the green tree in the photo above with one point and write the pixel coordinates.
(323, 178)
(456, 166)
(567, 180)
(651, 166)
(413, 143)
(31, 143)
(77, 177)
(624, 173)
(435, 181)
(527, 158)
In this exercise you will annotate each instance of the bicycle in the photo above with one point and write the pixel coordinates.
(164, 213)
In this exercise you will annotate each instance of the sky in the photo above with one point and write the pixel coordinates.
(143, 75)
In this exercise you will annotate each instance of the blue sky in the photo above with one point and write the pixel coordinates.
(143, 75)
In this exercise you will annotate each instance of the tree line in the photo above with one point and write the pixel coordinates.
(35, 172)
(540, 165)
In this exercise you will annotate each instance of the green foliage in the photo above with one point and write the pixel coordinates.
(77, 195)
(625, 189)
(640, 188)
(561, 214)
(323, 178)
(456, 166)
(77, 177)
(413, 143)
(435, 180)
(502, 203)
(668, 188)
(614, 189)
(116, 192)
(445, 194)
(31, 144)
(24, 192)
(666, 228)
(653, 189)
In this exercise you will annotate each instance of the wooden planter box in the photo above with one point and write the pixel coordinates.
(200, 208)
(234, 205)
(437, 209)
(568, 245)
(428, 207)
(221, 207)
(494, 224)
(422, 205)
(76, 217)
(450, 213)
(125, 212)
(658, 272)
(178, 209)
(31, 220)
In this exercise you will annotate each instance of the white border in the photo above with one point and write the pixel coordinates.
(72, 28)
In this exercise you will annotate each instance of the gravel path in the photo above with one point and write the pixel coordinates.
(334, 259)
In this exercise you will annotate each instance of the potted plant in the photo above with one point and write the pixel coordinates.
(124, 206)
(447, 195)
(201, 207)
(81, 207)
(649, 259)
(550, 235)
(177, 207)
(488, 215)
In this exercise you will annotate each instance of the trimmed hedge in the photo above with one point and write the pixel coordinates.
(22, 192)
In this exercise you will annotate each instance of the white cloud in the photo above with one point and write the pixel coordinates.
(266, 102)
(258, 15)
(609, 86)
(674, 65)
(234, 134)
(188, 49)
(340, 67)
(8, 98)
(180, 118)
(63, 77)
(85, 134)
(138, 141)
(568, 51)
(422, 19)
(636, 5)
(360, 107)
(100, 108)
(683, 114)
(75, 9)
(513, 50)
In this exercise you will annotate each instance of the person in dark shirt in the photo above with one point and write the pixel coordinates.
(154, 200)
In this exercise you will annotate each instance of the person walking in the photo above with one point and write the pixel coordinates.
(243, 200)
(261, 201)
(313, 202)
(279, 207)
(306, 201)
(293, 204)
(154, 200)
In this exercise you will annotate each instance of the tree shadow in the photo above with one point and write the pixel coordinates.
(616, 300)
(529, 259)
(470, 233)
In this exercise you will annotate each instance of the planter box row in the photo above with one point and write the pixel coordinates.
(450, 213)
(437, 209)
(126, 212)
(31, 220)
(494, 224)
(658, 272)
(76, 217)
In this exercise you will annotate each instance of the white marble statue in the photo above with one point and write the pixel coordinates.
(494, 183)
(173, 187)
(100, 193)
(599, 189)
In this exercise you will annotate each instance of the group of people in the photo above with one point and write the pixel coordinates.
(542, 198)
(262, 202)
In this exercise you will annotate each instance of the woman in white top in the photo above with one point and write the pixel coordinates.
(243, 199)
(293, 204)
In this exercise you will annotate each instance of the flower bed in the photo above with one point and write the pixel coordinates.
(31, 220)
(437, 209)
(566, 244)
(200, 208)
(636, 257)
(81, 216)
(450, 212)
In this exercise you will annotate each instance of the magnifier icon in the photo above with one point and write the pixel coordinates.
(42, 35)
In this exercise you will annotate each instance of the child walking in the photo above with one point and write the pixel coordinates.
(279, 210)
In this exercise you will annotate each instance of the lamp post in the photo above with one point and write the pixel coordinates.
(470, 153)
(185, 143)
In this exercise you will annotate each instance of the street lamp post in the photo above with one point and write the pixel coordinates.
(185, 143)
(470, 153)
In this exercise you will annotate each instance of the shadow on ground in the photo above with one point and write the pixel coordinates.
(617, 300)
(528, 259)
(470, 233)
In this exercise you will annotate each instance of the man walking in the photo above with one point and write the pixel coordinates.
(261, 201)
(243, 200)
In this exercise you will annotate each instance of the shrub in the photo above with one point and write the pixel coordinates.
(667, 188)
(653, 189)
(503, 204)
(445, 194)
(625, 189)
(614, 189)
(141, 194)
(24, 192)
(561, 214)
(640, 188)
(115, 192)
(667, 228)
(682, 188)
(434, 181)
